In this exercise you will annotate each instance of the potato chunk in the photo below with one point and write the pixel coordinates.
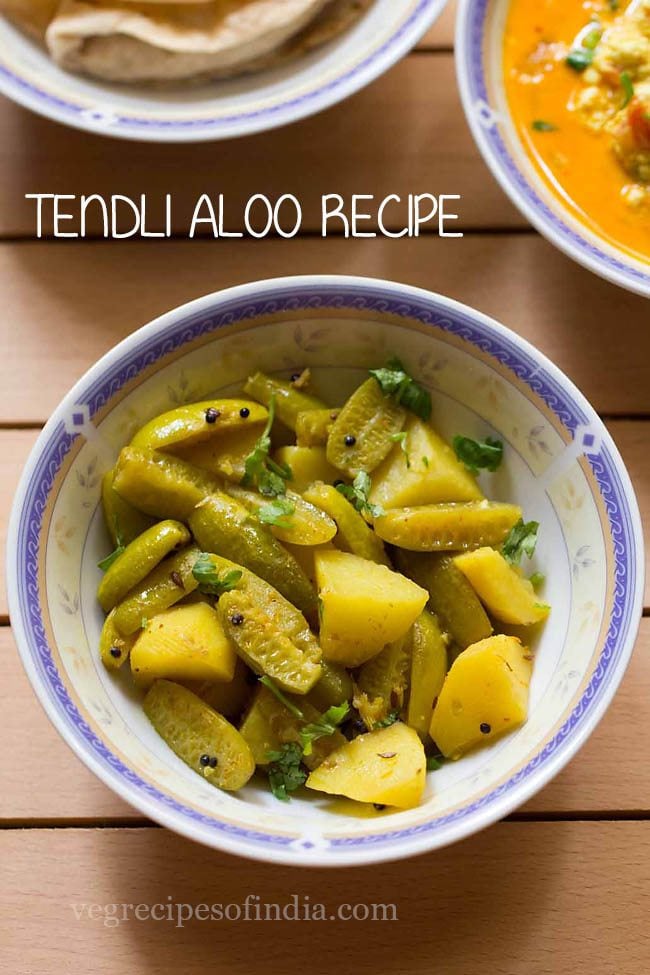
(186, 643)
(308, 464)
(364, 606)
(424, 471)
(484, 695)
(506, 594)
(387, 766)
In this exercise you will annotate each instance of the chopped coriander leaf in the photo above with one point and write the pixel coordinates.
(277, 512)
(286, 772)
(434, 762)
(208, 578)
(397, 383)
(537, 579)
(401, 439)
(144, 623)
(628, 88)
(282, 698)
(582, 53)
(425, 461)
(579, 59)
(388, 720)
(358, 493)
(521, 541)
(260, 470)
(477, 455)
(539, 125)
(106, 563)
(326, 725)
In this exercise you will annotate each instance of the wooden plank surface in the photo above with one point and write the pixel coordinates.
(520, 899)
(611, 773)
(413, 142)
(66, 304)
(441, 35)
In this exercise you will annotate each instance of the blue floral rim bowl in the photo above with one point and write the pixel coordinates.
(479, 64)
(561, 466)
(220, 109)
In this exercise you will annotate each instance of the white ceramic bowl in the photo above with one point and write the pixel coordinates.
(479, 44)
(222, 109)
(561, 465)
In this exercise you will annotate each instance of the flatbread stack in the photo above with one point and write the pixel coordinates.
(143, 41)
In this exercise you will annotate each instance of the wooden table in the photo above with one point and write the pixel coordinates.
(558, 888)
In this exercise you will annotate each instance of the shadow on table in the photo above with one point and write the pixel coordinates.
(477, 901)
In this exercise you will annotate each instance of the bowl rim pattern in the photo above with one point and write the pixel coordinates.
(472, 55)
(285, 110)
(207, 315)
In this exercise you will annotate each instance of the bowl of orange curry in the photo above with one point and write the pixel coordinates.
(557, 94)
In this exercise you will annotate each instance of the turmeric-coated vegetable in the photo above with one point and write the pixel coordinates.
(290, 517)
(506, 594)
(448, 527)
(186, 643)
(268, 632)
(195, 423)
(364, 606)
(484, 695)
(269, 724)
(363, 433)
(307, 464)
(384, 680)
(167, 584)
(203, 739)
(122, 520)
(386, 767)
(428, 671)
(421, 469)
(313, 427)
(451, 597)
(289, 401)
(114, 647)
(223, 525)
(138, 559)
(353, 534)
(160, 484)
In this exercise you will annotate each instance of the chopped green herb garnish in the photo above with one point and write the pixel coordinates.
(628, 88)
(277, 512)
(401, 439)
(282, 698)
(425, 461)
(286, 771)
(358, 495)
(106, 563)
(582, 53)
(539, 125)
(537, 579)
(326, 725)
(521, 541)
(144, 623)
(434, 762)
(401, 387)
(260, 470)
(613, 5)
(477, 455)
(208, 578)
(388, 720)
